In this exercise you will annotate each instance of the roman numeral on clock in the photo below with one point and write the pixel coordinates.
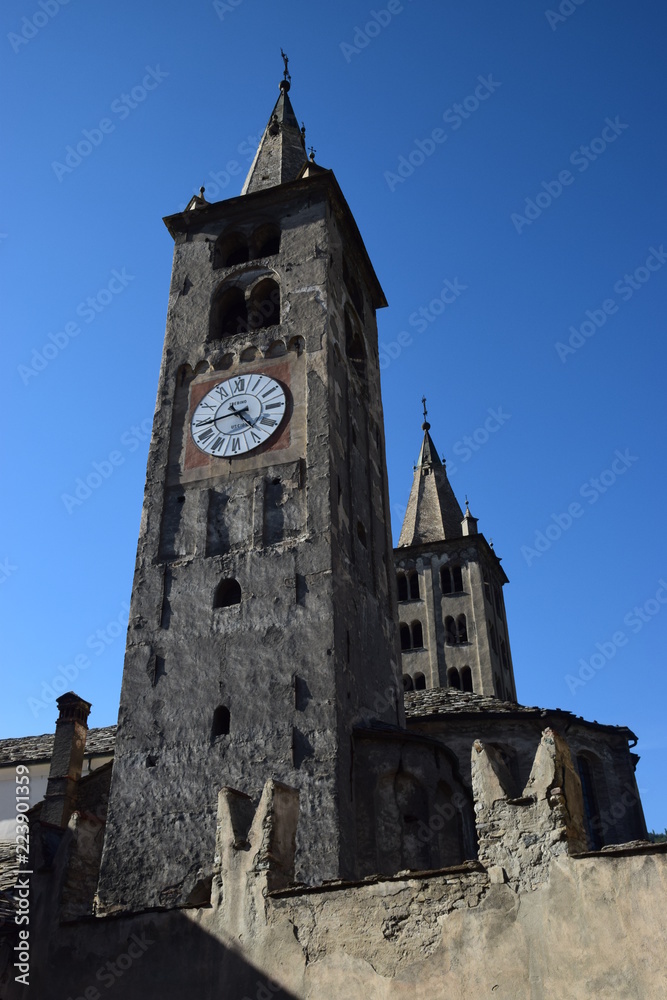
(236, 415)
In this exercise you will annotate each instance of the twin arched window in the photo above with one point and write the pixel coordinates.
(418, 684)
(462, 681)
(456, 630)
(412, 636)
(234, 248)
(235, 311)
(451, 580)
(408, 586)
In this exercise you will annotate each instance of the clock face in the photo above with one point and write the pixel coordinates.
(238, 415)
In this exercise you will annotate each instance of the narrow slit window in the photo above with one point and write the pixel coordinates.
(221, 720)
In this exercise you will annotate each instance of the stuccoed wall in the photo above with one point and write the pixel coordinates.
(529, 921)
(596, 928)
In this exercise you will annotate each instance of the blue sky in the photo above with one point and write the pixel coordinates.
(506, 168)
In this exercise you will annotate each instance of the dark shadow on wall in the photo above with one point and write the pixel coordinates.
(158, 955)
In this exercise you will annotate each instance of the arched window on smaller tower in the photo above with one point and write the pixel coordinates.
(450, 631)
(451, 580)
(402, 586)
(264, 305)
(229, 314)
(461, 629)
(413, 579)
(466, 679)
(266, 241)
(493, 638)
(417, 635)
(221, 719)
(498, 602)
(406, 641)
(230, 249)
(407, 683)
(453, 678)
(227, 594)
(420, 682)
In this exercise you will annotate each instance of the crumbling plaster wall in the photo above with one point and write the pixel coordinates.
(561, 928)
(596, 928)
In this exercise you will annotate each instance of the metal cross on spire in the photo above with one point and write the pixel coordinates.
(425, 426)
(286, 74)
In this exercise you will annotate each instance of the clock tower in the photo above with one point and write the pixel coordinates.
(262, 623)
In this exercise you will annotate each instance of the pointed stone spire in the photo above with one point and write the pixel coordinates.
(281, 154)
(433, 512)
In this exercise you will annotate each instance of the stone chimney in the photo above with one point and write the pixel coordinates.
(66, 761)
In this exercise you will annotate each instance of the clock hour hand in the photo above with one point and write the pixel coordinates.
(239, 413)
(232, 412)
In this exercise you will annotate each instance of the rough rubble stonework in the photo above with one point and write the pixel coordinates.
(278, 819)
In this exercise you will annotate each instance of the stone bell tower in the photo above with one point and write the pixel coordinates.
(263, 608)
(453, 623)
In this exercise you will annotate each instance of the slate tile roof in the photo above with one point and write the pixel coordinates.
(450, 701)
(24, 749)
